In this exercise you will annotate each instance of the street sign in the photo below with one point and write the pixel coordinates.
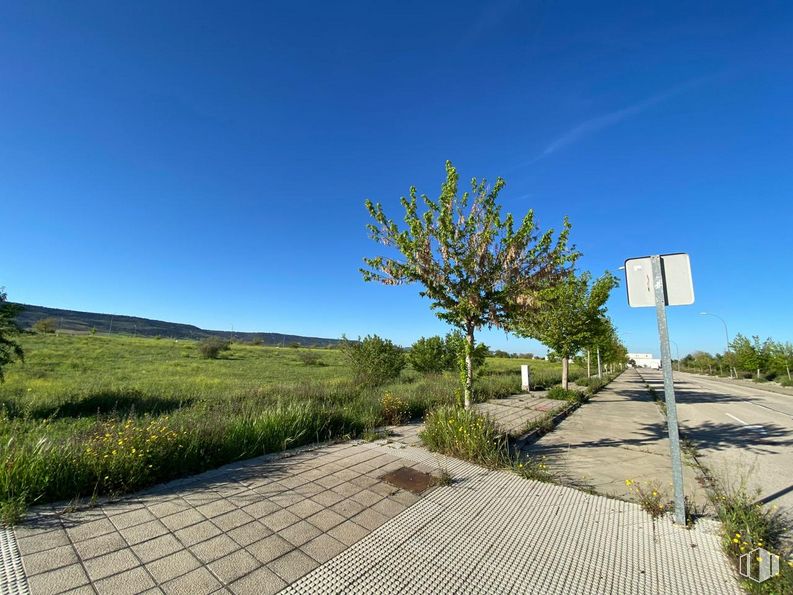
(660, 281)
(676, 273)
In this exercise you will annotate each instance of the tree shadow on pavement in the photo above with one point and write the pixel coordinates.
(708, 435)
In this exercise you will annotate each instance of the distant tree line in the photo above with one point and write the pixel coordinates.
(747, 358)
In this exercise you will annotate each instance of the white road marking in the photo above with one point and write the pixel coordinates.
(737, 419)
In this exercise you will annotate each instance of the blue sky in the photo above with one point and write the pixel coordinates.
(208, 164)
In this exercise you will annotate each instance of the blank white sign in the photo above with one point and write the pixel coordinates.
(678, 285)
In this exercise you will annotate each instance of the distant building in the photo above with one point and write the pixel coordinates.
(645, 360)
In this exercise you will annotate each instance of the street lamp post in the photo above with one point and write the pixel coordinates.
(726, 335)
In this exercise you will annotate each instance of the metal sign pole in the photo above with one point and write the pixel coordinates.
(669, 390)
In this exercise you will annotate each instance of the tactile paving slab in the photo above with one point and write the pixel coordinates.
(494, 532)
(12, 575)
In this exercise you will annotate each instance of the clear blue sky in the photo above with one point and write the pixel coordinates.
(208, 162)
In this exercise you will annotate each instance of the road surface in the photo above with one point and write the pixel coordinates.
(740, 432)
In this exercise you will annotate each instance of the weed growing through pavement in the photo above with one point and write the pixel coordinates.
(650, 497)
(748, 524)
(474, 437)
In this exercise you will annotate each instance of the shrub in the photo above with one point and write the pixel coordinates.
(310, 358)
(211, 348)
(557, 392)
(395, 409)
(374, 361)
(786, 382)
(431, 354)
(45, 325)
(465, 434)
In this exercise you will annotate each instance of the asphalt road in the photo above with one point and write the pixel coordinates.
(741, 432)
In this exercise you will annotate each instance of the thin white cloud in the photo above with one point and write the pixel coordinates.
(599, 123)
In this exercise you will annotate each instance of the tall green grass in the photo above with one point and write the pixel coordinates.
(87, 416)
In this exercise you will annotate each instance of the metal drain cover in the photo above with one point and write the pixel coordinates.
(410, 479)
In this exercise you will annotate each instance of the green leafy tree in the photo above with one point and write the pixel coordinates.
(10, 350)
(783, 356)
(566, 316)
(470, 261)
(374, 360)
(45, 325)
(750, 356)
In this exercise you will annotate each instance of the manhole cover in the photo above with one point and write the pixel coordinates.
(409, 479)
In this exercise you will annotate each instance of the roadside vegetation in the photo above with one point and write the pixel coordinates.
(64, 410)
(91, 415)
(749, 358)
(748, 524)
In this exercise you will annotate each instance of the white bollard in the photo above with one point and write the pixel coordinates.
(525, 377)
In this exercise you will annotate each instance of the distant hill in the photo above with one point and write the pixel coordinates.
(83, 322)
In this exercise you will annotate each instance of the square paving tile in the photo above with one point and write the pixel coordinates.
(216, 508)
(232, 520)
(300, 533)
(280, 520)
(97, 546)
(305, 508)
(157, 548)
(348, 508)
(259, 582)
(58, 581)
(234, 566)
(50, 559)
(199, 580)
(214, 548)
(293, 565)
(112, 563)
(197, 533)
(261, 508)
(42, 541)
(348, 532)
(270, 548)
(131, 518)
(370, 519)
(172, 566)
(326, 519)
(144, 532)
(323, 548)
(327, 498)
(253, 531)
(130, 582)
(182, 519)
(86, 530)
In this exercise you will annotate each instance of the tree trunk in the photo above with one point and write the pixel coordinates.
(788, 372)
(565, 366)
(600, 367)
(758, 372)
(588, 364)
(469, 366)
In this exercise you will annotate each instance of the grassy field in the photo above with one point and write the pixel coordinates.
(91, 415)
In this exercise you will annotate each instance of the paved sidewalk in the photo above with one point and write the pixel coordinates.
(252, 527)
(494, 532)
(514, 414)
(322, 521)
(620, 434)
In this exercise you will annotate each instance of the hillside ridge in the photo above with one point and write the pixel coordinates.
(84, 322)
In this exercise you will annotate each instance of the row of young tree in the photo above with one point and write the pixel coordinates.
(480, 268)
(748, 357)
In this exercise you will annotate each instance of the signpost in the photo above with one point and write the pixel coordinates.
(661, 281)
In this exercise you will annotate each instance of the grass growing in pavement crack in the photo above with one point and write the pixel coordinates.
(472, 436)
(747, 524)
